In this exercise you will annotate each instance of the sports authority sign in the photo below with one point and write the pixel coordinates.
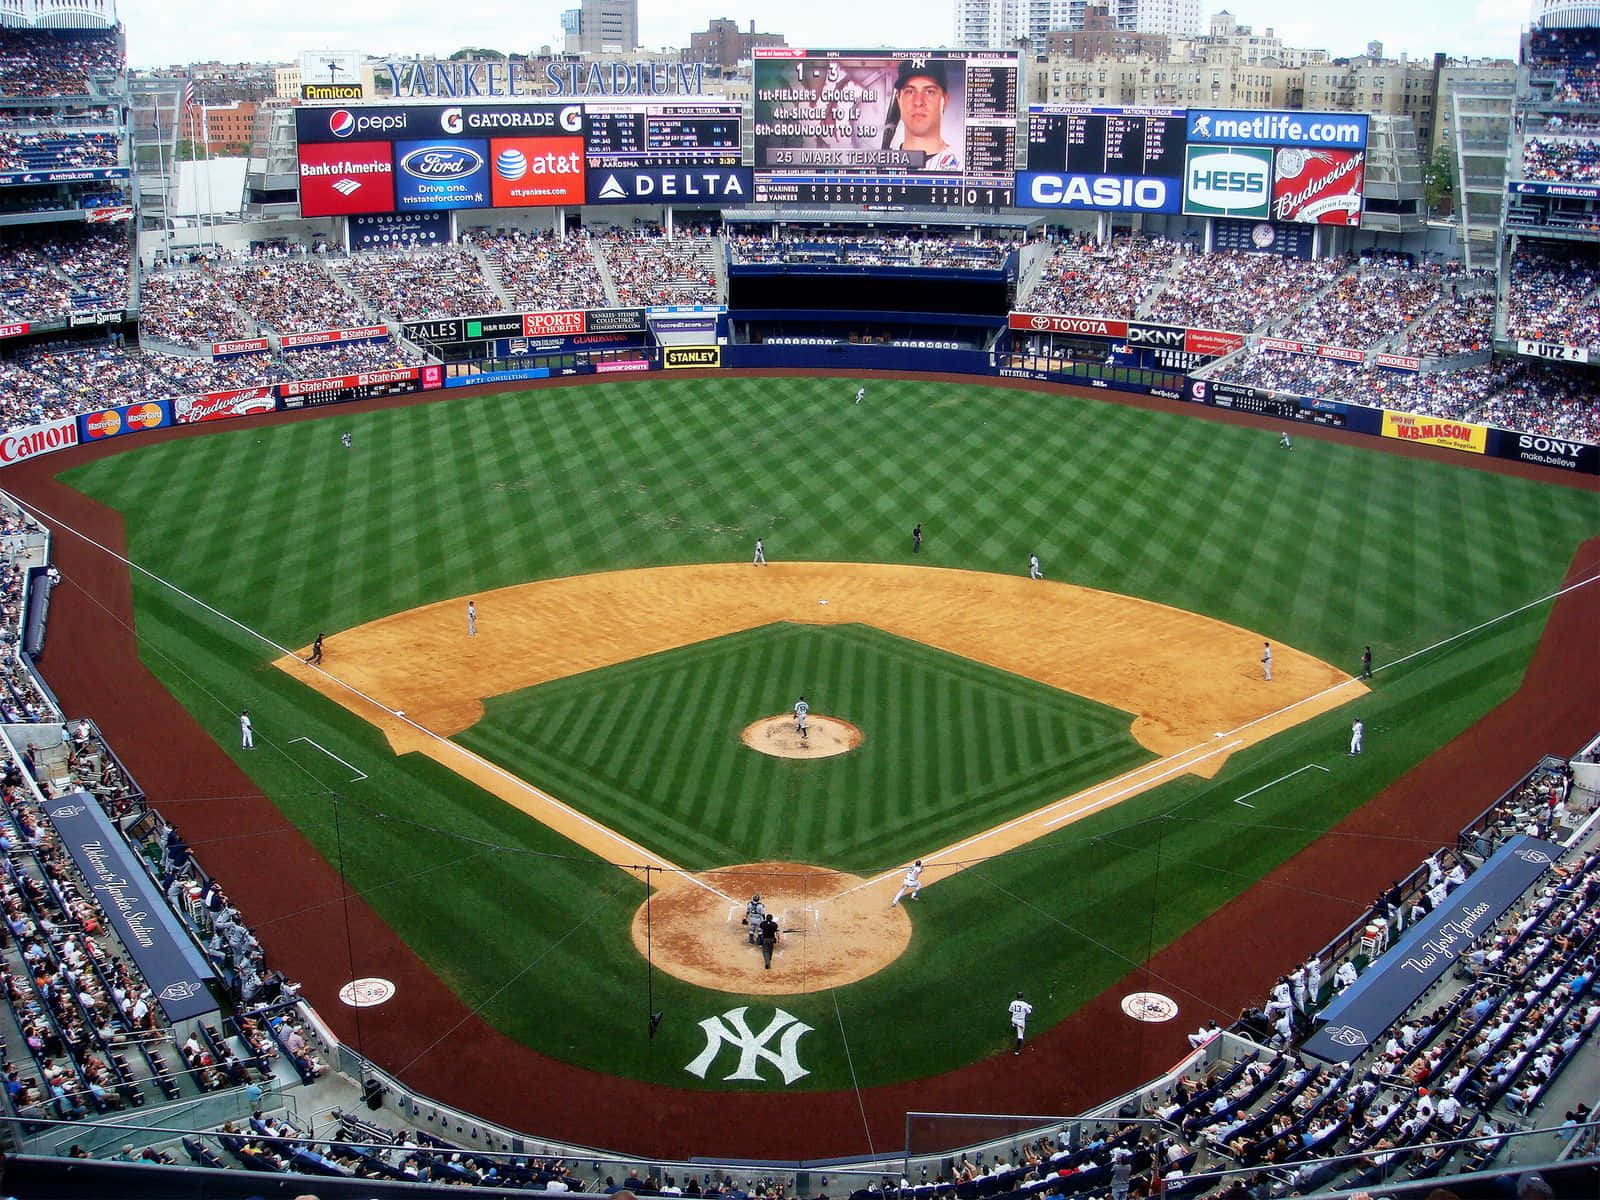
(1436, 431)
(1318, 187)
(1227, 181)
(21, 444)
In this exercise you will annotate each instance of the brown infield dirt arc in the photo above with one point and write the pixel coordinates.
(293, 898)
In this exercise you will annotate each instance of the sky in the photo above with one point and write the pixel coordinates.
(164, 32)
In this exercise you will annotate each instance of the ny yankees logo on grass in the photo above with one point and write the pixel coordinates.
(732, 1028)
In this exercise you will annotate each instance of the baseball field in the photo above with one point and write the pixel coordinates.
(561, 815)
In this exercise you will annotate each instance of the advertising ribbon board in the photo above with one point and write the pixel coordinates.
(34, 440)
(126, 418)
(676, 358)
(1436, 431)
(218, 406)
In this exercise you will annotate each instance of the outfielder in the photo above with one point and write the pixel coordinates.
(1284, 442)
(861, 394)
(761, 555)
(247, 733)
(911, 883)
(1033, 567)
(801, 708)
(1357, 730)
(1020, 1010)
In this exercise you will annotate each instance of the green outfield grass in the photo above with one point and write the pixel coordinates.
(1326, 547)
(952, 747)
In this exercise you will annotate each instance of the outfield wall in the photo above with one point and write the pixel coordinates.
(1462, 436)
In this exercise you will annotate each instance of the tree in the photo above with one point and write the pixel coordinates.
(477, 52)
(1439, 181)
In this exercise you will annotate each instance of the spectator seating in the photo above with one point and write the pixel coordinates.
(1101, 281)
(647, 269)
(409, 285)
(1553, 296)
(1240, 292)
(55, 149)
(1568, 159)
(37, 63)
(543, 272)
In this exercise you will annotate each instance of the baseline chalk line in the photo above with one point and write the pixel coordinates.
(1279, 779)
(360, 774)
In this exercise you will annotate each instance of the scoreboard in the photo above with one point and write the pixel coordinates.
(640, 134)
(1107, 141)
(877, 127)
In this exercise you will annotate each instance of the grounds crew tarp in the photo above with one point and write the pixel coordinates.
(172, 965)
(1358, 1017)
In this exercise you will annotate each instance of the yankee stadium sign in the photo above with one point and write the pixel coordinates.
(416, 77)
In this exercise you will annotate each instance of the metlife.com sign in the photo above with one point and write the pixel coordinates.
(1257, 127)
(1099, 193)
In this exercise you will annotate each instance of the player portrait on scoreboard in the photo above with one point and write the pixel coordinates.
(881, 114)
(922, 103)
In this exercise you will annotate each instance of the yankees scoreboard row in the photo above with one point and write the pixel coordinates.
(897, 128)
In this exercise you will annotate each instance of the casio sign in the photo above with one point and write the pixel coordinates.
(441, 162)
(1111, 192)
(1227, 180)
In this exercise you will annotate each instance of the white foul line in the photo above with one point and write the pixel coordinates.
(1140, 786)
(360, 774)
(1279, 779)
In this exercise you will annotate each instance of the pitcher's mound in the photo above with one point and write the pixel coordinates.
(833, 930)
(825, 737)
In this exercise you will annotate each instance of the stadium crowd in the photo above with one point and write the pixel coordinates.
(647, 269)
(1112, 280)
(36, 63)
(1552, 296)
(55, 150)
(414, 284)
(43, 278)
(1570, 159)
(1239, 292)
(1366, 305)
(929, 248)
(540, 271)
(1462, 323)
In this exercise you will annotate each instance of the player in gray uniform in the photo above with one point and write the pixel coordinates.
(753, 913)
(801, 709)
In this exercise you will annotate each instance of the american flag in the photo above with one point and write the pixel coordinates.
(188, 94)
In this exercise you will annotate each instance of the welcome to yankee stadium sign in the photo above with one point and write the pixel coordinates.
(416, 77)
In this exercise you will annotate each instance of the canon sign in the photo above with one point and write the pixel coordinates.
(22, 444)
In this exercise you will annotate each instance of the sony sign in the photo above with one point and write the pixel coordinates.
(1100, 193)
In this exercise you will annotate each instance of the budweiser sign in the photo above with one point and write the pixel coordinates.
(22, 444)
(1318, 187)
(545, 323)
(1058, 323)
(217, 406)
(329, 337)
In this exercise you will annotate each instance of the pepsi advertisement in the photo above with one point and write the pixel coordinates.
(441, 174)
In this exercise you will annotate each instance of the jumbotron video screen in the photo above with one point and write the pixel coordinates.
(914, 127)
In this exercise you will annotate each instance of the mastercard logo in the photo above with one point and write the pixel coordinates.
(104, 424)
(144, 416)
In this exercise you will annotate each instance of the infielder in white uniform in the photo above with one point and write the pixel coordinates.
(911, 883)
(247, 734)
(801, 708)
(472, 618)
(1357, 729)
(761, 555)
(1020, 1010)
(1266, 661)
(1033, 567)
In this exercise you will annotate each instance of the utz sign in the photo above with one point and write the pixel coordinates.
(1227, 181)
(1318, 187)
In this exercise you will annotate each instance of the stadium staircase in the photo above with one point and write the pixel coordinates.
(341, 283)
(1285, 327)
(605, 277)
(708, 253)
(490, 277)
(1168, 277)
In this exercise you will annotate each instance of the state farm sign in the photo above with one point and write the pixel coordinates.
(22, 444)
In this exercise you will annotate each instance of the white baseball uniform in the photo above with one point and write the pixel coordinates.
(472, 619)
(1266, 660)
(861, 394)
(1033, 567)
(761, 555)
(247, 736)
(911, 883)
(1357, 729)
(801, 708)
(1020, 1009)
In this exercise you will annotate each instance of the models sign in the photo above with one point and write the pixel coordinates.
(1318, 187)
